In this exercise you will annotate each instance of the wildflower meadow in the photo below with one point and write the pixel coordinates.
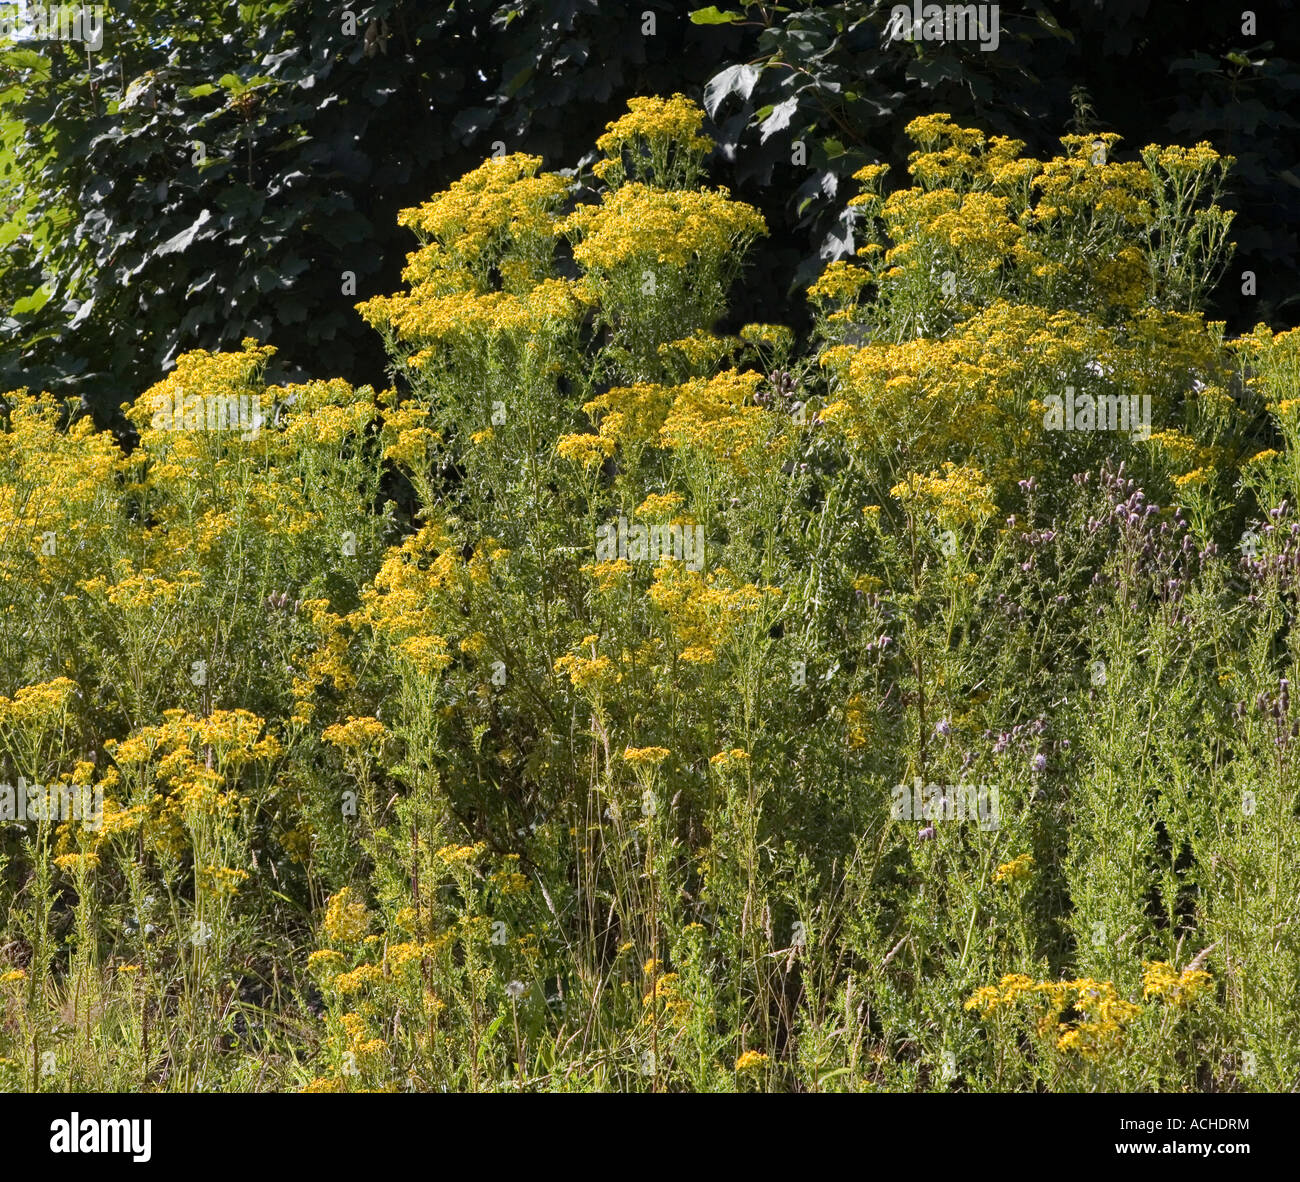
(891, 693)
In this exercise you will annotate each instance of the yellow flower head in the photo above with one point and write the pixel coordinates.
(346, 918)
(357, 734)
(1161, 980)
(957, 497)
(1015, 870)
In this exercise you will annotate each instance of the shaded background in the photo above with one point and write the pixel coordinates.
(212, 175)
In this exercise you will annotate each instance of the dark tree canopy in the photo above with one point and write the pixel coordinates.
(235, 170)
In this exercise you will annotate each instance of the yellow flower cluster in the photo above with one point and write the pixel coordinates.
(1178, 989)
(858, 722)
(713, 416)
(198, 379)
(588, 673)
(1102, 1013)
(466, 323)
(221, 881)
(51, 481)
(460, 855)
(1015, 870)
(976, 229)
(402, 604)
(667, 995)
(676, 119)
(77, 863)
(776, 337)
(637, 227)
(657, 140)
(502, 210)
(37, 705)
(609, 575)
(983, 226)
(659, 506)
(366, 1052)
(187, 770)
(346, 918)
(840, 284)
(717, 416)
(590, 451)
(646, 756)
(408, 439)
(957, 497)
(704, 611)
(328, 661)
(143, 590)
(357, 734)
(700, 352)
(509, 881)
(1085, 182)
(631, 414)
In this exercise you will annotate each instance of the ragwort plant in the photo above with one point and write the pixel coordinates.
(630, 699)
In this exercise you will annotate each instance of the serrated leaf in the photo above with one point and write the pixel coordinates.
(733, 80)
(181, 241)
(25, 59)
(779, 119)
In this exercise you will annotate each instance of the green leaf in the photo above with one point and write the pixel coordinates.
(733, 80)
(31, 303)
(202, 91)
(713, 16)
(779, 119)
(182, 240)
(26, 59)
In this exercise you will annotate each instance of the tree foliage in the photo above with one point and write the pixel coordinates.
(227, 170)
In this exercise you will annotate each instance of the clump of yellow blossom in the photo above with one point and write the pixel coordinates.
(1015, 870)
(956, 497)
(658, 140)
(356, 734)
(459, 855)
(646, 756)
(346, 917)
(1178, 989)
(1102, 1013)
